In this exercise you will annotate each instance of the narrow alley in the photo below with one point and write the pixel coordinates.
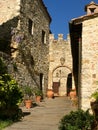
(45, 116)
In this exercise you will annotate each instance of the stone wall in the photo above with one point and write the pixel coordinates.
(31, 53)
(9, 12)
(89, 60)
(84, 44)
(28, 50)
(60, 62)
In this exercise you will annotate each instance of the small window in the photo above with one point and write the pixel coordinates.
(92, 10)
(43, 37)
(31, 27)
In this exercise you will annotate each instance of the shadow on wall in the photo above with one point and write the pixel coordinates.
(5, 34)
(69, 83)
(29, 62)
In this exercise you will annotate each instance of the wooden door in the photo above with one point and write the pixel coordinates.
(56, 87)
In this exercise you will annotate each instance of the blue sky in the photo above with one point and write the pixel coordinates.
(62, 11)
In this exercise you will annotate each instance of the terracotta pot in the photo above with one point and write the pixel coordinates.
(72, 94)
(94, 107)
(50, 93)
(38, 98)
(28, 103)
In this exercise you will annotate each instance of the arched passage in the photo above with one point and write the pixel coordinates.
(61, 81)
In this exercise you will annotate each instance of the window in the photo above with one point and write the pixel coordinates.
(92, 10)
(31, 27)
(43, 37)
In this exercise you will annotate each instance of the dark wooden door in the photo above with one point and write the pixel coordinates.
(56, 87)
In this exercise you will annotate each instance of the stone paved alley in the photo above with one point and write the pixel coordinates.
(45, 116)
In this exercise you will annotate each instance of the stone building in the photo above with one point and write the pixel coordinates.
(84, 44)
(37, 59)
(24, 35)
(60, 65)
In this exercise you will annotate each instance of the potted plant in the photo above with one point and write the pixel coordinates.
(94, 95)
(28, 93)
(38, 94)
(10, 98)
(50, 93)
(94, 104)
(72, 94)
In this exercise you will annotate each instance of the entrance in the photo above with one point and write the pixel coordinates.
(42, 83)
(56, 86)
(60, 80)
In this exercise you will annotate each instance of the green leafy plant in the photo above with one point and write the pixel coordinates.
(78, 120)
(5, 123)
(95, 95)
(10, 95)
(38, 92)
(94, 104)
(10, 98)
(28, 91)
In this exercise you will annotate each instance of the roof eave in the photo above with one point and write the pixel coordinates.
(82, 18)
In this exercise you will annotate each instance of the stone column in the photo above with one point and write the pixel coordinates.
(73, 82)
(50, 80)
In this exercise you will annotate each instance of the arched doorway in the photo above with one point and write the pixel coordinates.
(60, 80)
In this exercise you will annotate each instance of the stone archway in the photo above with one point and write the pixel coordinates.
(59, 80)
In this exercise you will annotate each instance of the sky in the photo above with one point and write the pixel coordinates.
(62, 11)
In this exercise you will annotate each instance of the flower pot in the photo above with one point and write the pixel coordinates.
(50, 93)
(72, 94)
(28, 103)
(38, 98)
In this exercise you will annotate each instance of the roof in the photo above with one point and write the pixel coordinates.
(82, 18)
(87, 16)
(91, 3)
